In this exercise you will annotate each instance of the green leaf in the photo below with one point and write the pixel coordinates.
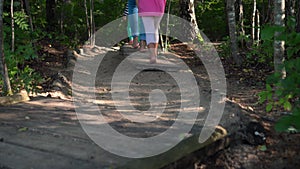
(269, 95)
(263, 148)
(262, 96)
(267, 33)
(296, 118)
(279, 92)
(290, 52)
(287, 106)
(268, 87)
(283, 124)
(281, 101)
(269, 107)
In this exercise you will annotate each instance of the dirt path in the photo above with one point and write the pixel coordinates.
(46, 133)
(48, 130)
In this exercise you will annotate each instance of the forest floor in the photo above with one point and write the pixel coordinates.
(280, 150)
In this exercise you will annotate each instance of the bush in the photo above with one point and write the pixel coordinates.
(284, 92)
(21, 75)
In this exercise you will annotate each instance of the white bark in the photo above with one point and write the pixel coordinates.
(258, 26)
(92, 22)
(241, 22)
(253, 20)
(12, 25)
(241, 18)
(279, 49)
(187, 12)
(87, 18)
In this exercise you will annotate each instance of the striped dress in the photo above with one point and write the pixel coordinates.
(125, 13)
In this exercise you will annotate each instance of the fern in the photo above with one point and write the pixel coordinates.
(21, 20)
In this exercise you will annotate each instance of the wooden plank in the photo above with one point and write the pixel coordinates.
(18, 157)
(53, 115)
(127, 50)
(164, 63)
(16, 98)
(69, 150)
(185, 148)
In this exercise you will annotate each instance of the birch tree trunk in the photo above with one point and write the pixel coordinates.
(92, 22)
(241, 21)
(187, 12)
(6, 88)
(12, 25)
(87, 18)
(253, 21)
(258, 26)
(232, 31)
(279, 20)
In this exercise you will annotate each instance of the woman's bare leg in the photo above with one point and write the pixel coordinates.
(153, 52)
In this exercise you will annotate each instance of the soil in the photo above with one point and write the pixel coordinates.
(279, 150)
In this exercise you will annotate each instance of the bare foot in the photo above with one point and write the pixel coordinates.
(143, 46)
(130, 42)
(153, 60)
(135, 43)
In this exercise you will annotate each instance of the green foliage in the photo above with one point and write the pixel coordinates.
(21, 75)
(284, 92)
(224, 48)
(21, 20)
(70, 29)
(108, 10)
(263, 53)
(212, 18)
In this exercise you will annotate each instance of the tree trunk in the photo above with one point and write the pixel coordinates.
(298, 16)
(290, 8)
(165, 47)
(258, 26)
(50, 15)
(27, 9)
(253, 21)
(241, 21)
(269, 15)
(12, 25)
(187, 12)
(232, 31)
(279, 49)
(87, 18)
(6, 88)
(92, 21)
(62, 18)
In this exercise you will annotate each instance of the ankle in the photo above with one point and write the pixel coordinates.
(143, 44)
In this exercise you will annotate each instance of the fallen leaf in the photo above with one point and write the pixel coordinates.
(262, 148)
(23, 129)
